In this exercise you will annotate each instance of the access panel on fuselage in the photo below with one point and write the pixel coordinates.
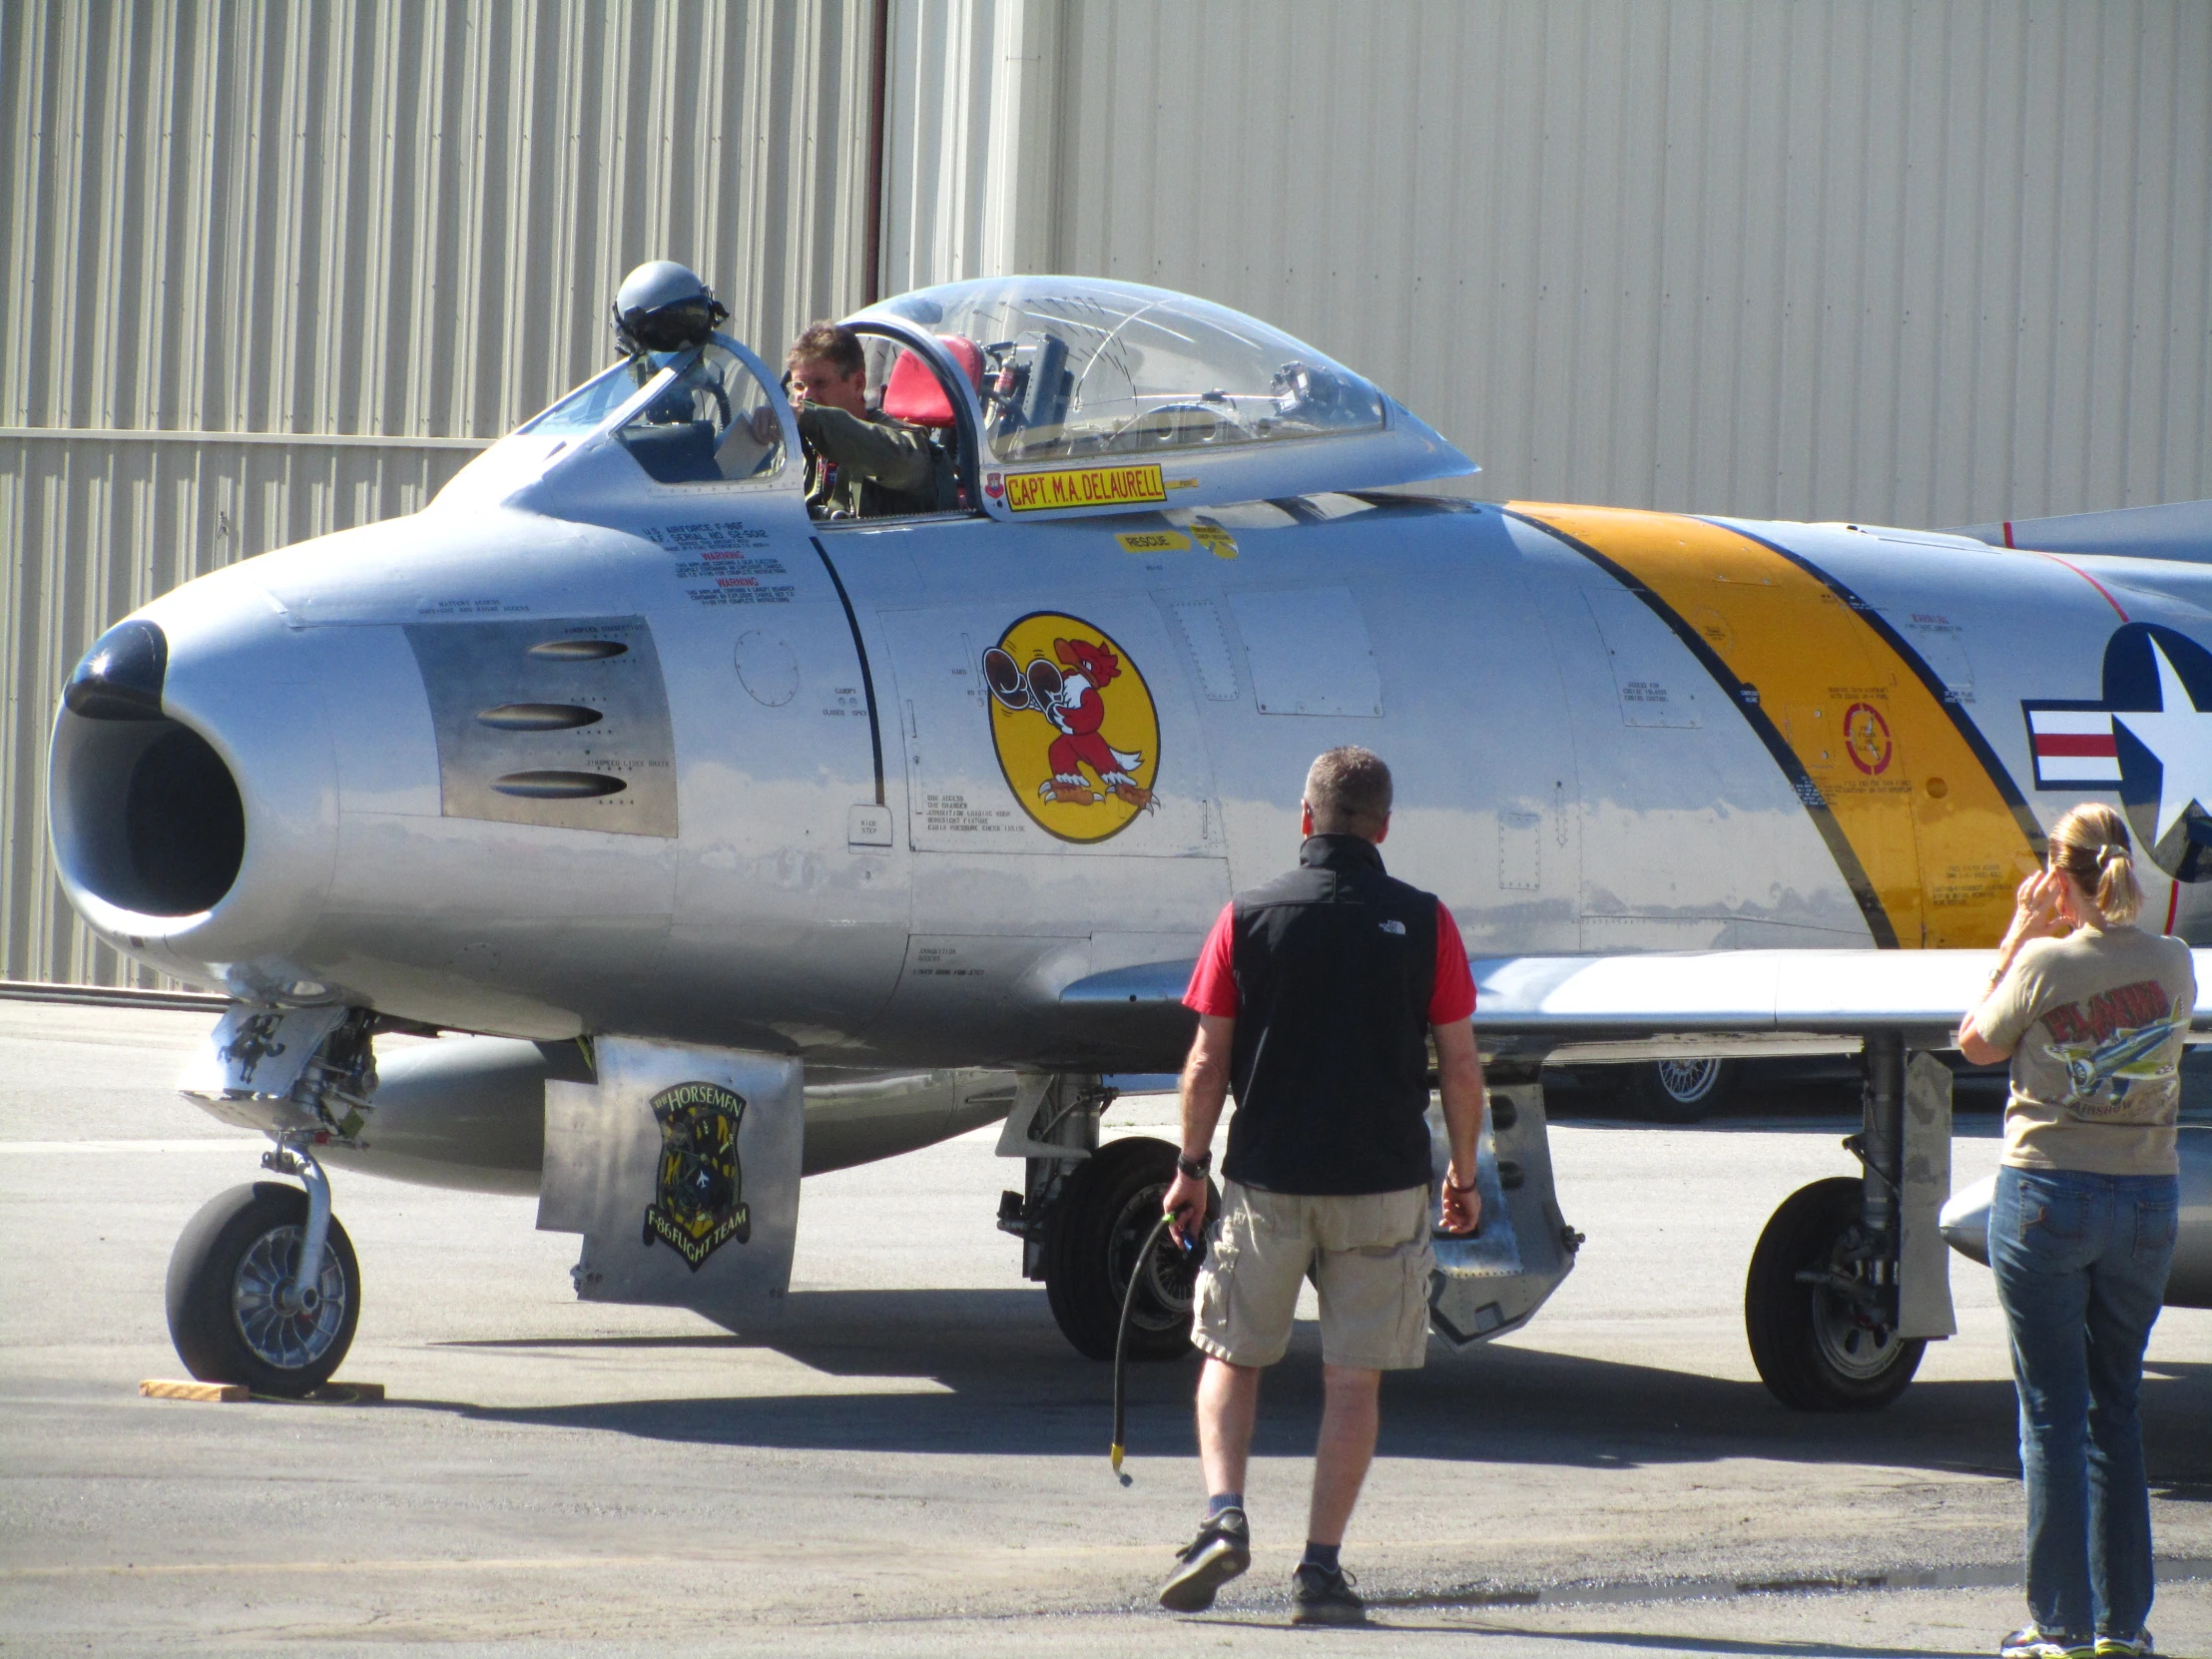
(790, 911)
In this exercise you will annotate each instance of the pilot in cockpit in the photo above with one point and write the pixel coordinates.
(861, 462)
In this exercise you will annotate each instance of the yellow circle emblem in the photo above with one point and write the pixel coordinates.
(1074, 727)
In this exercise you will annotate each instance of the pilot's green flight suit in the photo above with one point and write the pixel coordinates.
(866, 469)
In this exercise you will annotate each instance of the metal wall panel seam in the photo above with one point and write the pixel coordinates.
(2195, 374)
(2180, 346)
(22, 56)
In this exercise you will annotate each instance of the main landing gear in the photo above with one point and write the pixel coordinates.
(1083, 1220)
(1681, 1091)
(1821, 1299)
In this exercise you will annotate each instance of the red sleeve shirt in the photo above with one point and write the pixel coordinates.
(1452, 998)
(1214, 980)
(1213, 988)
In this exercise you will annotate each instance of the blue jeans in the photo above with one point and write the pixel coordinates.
(2080, 1263)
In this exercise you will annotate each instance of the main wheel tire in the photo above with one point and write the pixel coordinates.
(224, 1275)
(1105, 1213)
(1814, 1350)
(1680, 1091)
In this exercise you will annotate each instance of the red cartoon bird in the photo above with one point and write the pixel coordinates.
(1069, 698)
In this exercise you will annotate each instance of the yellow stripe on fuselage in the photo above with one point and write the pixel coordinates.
(1937, 831)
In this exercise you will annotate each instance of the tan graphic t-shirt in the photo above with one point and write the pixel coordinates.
(2097, 1022)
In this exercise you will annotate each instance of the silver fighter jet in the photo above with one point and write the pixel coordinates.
(728, 845)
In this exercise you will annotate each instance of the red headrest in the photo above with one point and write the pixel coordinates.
(913, 393)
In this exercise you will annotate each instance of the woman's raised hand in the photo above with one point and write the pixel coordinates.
(2038, 914)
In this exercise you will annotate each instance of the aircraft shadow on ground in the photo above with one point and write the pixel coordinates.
(1008, 1384)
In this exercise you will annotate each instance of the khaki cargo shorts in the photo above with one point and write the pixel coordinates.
(1372, 1261)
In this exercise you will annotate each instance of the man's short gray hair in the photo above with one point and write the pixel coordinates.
(1348, 791)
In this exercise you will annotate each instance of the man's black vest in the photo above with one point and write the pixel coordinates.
(1334, 963)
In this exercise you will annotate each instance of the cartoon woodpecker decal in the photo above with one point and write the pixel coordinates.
(1091, 699)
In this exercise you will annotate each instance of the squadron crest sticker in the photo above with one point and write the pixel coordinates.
(698, 1203)
(1074, 726)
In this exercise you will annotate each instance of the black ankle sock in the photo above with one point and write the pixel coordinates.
(1223, 1501)
(1322, 1556)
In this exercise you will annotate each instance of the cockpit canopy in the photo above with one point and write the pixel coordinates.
(1041, 397)
(1076, 369)
(708, 420)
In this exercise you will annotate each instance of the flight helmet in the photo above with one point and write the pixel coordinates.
(664, 306)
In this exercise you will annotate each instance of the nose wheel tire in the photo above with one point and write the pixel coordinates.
(1098, 1228)
(1818, 1348)
(231, 1311)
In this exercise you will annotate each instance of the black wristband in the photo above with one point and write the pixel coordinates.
(1450, 1187)
(1195, 1168)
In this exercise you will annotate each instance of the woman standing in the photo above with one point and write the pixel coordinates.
(2092, 1012)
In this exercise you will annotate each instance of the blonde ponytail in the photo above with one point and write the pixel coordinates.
(2091, 844)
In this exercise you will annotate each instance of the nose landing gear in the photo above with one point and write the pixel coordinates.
(263, 1287)
(240, 1310)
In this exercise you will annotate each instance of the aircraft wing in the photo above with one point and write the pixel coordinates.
(1682, 1003)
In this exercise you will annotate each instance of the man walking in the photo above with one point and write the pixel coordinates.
(1315, 995)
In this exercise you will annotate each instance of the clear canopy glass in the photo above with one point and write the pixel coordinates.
(1077, 367)
(583, 409)
(708, 418)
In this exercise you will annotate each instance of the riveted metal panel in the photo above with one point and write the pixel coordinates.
(275, 268)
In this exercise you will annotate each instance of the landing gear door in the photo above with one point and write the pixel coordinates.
(680, 1167)
(1494, 1282)
(1049, 731)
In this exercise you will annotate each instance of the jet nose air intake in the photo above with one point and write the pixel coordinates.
(147, 814)
(192, 789)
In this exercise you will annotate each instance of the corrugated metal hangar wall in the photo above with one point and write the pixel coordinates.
(1920, 264)
(277, 268)
(273, 268)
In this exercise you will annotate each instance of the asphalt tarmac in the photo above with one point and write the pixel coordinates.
(916, 1463)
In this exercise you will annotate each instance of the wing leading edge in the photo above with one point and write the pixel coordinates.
(1697, 1002)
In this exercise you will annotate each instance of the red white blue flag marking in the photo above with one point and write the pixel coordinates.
(2074, 746)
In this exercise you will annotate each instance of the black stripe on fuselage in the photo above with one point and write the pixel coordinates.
(860, 650)
(1808, 792)
(2022, 813)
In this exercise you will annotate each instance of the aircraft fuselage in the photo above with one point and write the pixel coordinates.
(834, 837)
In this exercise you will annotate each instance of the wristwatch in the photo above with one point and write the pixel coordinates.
(1195, 1168)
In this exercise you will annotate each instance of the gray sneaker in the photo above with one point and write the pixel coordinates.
(1222, 1550)
(1319, 1596)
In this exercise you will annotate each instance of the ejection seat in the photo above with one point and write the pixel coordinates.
(914, 394)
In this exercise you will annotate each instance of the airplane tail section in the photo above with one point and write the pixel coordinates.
(2178, 530)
